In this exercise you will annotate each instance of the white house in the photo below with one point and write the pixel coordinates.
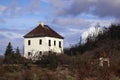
(41, 40)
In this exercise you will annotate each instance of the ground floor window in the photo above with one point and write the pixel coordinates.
(40, 53)
(54, 43)
(49, 52)
(29, 54)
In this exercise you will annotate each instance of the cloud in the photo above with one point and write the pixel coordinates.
(71, 22)
(70, 7)
(13, 36)
(58, 6)
(83, 27)
(33, 7)
(13, 33)
(101, 22)
(17, 42)
(2, 8)
(11, 9)
(71, 18)
(101, 8)
(107, 8)
(81, 23)
(14, 8)
(75, 30)
(77, 7)
(2, 20)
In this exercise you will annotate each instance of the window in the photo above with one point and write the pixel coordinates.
(40, 41)
(40, 53)
(49, 43)
(49, 52)
(59, 44)
(29, 42)
(29, 53)
(54, 43)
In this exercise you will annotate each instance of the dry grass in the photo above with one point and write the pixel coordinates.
(69, 68)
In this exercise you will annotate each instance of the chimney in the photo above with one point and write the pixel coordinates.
(41, 23)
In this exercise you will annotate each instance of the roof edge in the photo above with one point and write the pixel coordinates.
(42, 36)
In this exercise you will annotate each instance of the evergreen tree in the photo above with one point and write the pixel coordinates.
(9, 50)
(9, 54)
(17, 57)
(12, 57)
(17, 52)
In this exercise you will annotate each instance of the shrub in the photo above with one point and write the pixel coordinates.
(48, 61)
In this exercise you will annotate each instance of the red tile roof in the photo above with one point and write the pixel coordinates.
(43, 31)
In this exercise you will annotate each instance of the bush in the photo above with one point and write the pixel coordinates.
(12, 68)
(48, 61)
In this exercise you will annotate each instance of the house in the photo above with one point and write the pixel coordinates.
(42, 40)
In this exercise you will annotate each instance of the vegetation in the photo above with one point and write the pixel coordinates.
(13, 57)
(108, 40)
(80, 62)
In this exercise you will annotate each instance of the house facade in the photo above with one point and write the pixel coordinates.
(42, 40)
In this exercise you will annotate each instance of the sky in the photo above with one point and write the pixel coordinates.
(70, 18)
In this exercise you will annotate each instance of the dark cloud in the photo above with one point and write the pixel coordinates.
(101, 8)
(71, 7)
(71, 22)
(77, 7)
(108, 8)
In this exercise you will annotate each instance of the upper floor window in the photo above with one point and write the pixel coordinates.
(54, 43)
(49, 42)
(40, 41)
(59, 44)
(29, 42)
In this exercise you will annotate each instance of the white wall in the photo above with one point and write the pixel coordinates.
(35, 47)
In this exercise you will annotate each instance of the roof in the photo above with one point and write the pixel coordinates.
(43, 31)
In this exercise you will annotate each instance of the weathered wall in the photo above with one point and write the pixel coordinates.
(35, 47)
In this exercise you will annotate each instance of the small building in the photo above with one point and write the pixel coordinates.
(42, 40)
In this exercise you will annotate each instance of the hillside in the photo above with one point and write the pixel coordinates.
(108, 40)
(80, 62)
